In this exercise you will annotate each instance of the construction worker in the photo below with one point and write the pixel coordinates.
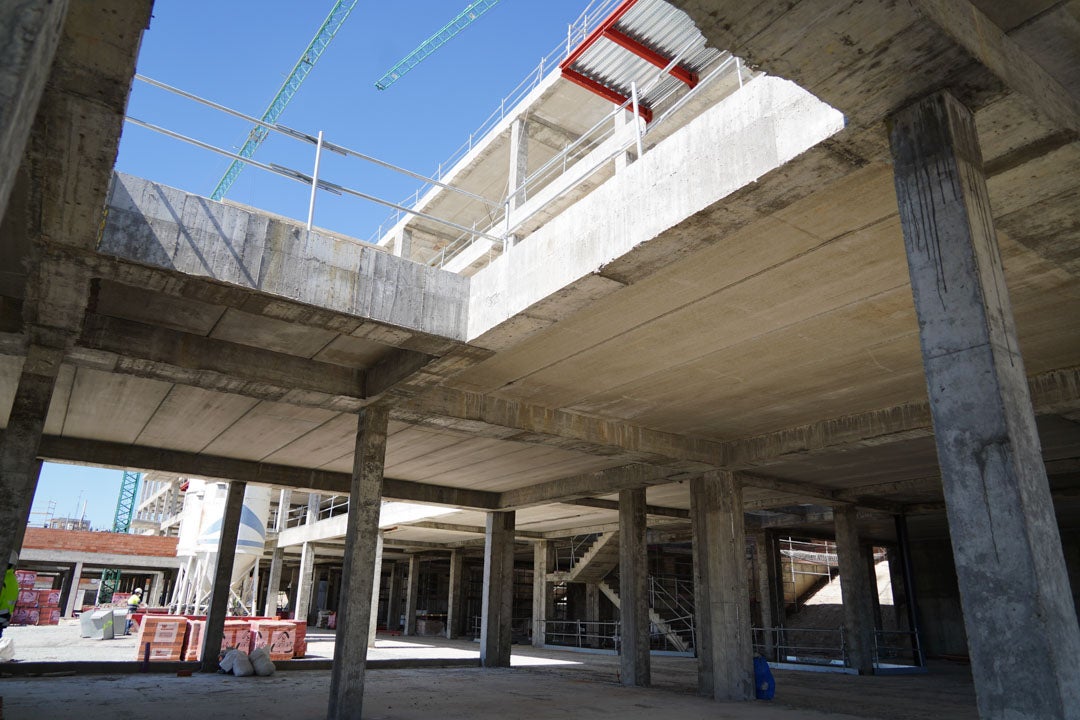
(9, 595)
(133, 606)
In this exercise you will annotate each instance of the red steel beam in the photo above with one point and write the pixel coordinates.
(649, 55)
(603, 91)
(597, 33)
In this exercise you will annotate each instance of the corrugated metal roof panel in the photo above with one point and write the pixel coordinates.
(660, 27)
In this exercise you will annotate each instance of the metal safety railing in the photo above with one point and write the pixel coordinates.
(828, 646)
(582, 634)
(314, 181)
(603, 131)
(576, 31)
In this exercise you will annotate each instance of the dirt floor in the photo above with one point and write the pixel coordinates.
(542, 684)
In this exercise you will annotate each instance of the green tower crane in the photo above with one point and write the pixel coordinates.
(288, 89)
(125, 510)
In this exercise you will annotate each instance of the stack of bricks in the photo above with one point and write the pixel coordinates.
(166, 635)
(48, 602)
(277, 636)
(300, 639)
(34, 607)
(237, 633)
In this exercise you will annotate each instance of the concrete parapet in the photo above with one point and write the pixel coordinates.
(164, 227)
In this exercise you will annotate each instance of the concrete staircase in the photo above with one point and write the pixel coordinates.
(600, 559)
(677, 641)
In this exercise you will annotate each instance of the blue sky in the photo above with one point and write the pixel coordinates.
(237, 53)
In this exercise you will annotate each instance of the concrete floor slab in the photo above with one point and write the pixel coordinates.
(542, 683)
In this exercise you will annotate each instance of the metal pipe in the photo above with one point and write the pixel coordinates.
(300, 177)
(637, 118)
(297, 135)
(314, 180)
(909, 587)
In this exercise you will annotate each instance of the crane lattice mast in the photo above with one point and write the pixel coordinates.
(433, 43)
(288, 89)
(125, 510)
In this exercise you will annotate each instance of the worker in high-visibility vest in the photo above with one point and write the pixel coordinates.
(9, 595)
(133, 605)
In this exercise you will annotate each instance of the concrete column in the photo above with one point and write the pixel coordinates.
(412, 586)
(273, 581)
(393, 602)
(313, 508)
(634, 660)
(592, 613)
(622, 119)
(519, 162)
(284, 501)
(358, 569)
(911, 605)
(1021, 622)
(219, 596)
(897, 585)
(305, 582)
(157, 583)
(455, 605)
(19, 465)
(540, 609)
(763, 588)
(875, 592)
(776, 577)
(30, 31)
(375, 587)
(855, 591)
(721, 589)
(498, 602)
(73, 590)
(403, 243)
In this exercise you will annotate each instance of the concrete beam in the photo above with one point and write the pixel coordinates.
(118, 455)
(600, 482)
(129, 347)
(1051, 392)
(613, 505)
(98, 560)
(30, 32)
(965, 23)
(473, 529)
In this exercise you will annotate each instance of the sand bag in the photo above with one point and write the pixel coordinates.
(260, 660)
(7, 649)
(242, 665)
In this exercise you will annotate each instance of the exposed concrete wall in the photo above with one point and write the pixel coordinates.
(99, 542)
(750, 133)
(164, 227)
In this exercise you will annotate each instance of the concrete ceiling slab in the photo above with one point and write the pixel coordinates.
(111, 407)
(266, 428)
(277, 335)
(190, 418)
(152, 308)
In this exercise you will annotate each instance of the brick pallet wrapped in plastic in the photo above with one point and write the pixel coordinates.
(237, 633)
(299, 638)
(166, 635)
(277, 636)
